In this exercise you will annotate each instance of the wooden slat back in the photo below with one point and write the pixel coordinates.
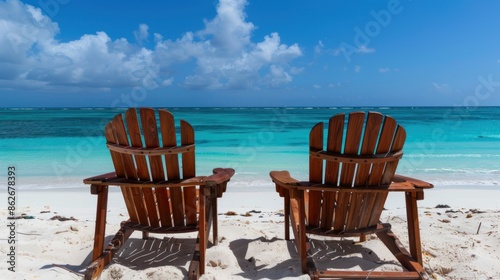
(157, 207)
(188, 170)
(168, 134)
(315, 175)
(119, 165)
(334, 144)
(366, 134)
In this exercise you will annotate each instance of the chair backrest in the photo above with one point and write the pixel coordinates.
(362, 149)
(144, 151)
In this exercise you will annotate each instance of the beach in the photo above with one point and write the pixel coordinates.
(459, 242)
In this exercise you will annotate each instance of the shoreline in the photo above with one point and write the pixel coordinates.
(465, 196)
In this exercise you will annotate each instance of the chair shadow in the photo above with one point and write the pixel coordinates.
(347, 254)
(139, 254)
(287, 268)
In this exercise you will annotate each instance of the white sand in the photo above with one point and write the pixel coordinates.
(460, 244)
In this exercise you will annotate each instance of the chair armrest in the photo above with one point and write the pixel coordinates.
(100, 178)
(283, 182)
(220, 175)
(415, 182)
(283, 178)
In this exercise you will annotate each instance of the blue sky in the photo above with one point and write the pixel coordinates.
(68, 53)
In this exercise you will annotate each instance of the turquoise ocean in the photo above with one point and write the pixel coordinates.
(58, 147)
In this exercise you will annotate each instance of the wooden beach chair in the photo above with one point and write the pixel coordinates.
(157, 178)
(349, 181)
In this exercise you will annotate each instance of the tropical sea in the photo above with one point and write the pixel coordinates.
(58, 147)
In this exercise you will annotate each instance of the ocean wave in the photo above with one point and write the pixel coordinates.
(452, 156)
(460, 171)
(269, 184)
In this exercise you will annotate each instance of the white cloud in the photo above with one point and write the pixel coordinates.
(365, 49)
(320, 49)
(316, 86)
(226, 58)
(143, 33)
(384, 70)
(357, 68)
(442, 88)
(223, 53)
(228, 32)
(296, 70)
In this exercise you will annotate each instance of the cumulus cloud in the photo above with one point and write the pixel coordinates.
(35, 59)
(224, 55)
(384, 70)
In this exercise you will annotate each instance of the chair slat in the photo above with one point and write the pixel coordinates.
(351, 146)
(167, 128)
(122, 139)
(136, 141)
(150, 131)
(384, 146)
(390, 169)
(115, 157)
(315, 175)
(188, 170)
(134, 133)
(142, 166)
(334, 144)
(128, 163)
(120, 171)
(359, 215)
(370, 139)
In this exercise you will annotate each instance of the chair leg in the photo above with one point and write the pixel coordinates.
(287, 214)
(413, 226)
(297, 216)
(97, 266)
(215, 230)
(302, 232)
(362, 238)
(194, 266)
(100, 221)
(394, 245)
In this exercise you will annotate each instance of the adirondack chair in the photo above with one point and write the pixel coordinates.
(349, 181)
(161, 195)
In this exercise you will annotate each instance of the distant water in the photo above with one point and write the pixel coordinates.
(57, 148)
